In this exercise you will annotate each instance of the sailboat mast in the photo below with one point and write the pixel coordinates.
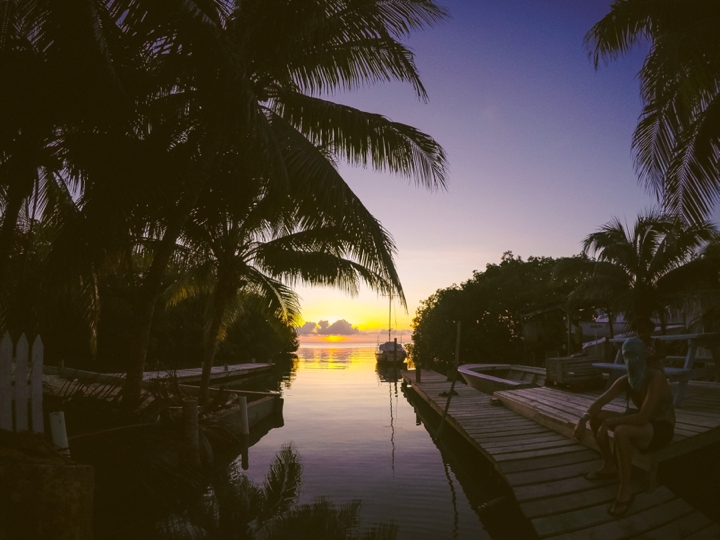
(389, 317)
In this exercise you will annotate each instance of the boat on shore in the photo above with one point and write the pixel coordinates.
(490, 378)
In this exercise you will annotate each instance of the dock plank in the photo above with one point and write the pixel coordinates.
(596, 515)
(552, 473)
(530, 445)
(684, 527)
(633, 525)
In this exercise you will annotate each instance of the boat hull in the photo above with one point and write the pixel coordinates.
(388, 357)
(490, 378)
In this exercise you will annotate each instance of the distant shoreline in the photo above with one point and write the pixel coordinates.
(340, 345)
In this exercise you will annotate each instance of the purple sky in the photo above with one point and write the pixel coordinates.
(538, 143)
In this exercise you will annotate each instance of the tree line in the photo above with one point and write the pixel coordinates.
(638, 271)
(152, 153)
(175, 150)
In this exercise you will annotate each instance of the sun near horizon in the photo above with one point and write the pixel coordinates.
(333, 318)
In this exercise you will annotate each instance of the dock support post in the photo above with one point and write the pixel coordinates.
(192, 437)
(418, 371)
(452, 386)
(59, 433)
(244, 433)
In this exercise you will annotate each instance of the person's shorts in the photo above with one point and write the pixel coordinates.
(663, 433)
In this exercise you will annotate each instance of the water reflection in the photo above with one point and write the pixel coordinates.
(388, 373)
(239, 509)
(359, 439)
(362, 436)
(329, 358)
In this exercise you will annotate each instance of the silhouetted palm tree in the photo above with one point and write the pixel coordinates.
(254, 86)
(677, 140)
(642, 270)
(239, 250)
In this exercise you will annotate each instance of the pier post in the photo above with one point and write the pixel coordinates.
(452, 386)
(190, 424)
(244, 432)
(59, 433)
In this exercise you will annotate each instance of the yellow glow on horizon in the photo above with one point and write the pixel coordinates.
(367, 312)
(333, 339)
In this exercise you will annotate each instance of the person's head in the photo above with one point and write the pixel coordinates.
(644, 328)
(633, 351)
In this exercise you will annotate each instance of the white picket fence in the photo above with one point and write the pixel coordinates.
(27, 388)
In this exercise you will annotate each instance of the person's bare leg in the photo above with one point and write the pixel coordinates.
(609, 465)
(627, 439)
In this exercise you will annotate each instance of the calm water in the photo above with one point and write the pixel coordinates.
(358, 438)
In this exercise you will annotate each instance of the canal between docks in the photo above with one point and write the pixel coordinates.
(359, 437)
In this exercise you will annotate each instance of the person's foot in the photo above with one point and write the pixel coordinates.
(619, 508)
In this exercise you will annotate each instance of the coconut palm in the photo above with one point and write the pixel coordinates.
(639, 271)
(69, 68)
(243, 248)
(676, 142)
(255, 86)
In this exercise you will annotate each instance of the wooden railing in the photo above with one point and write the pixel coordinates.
(21, 391)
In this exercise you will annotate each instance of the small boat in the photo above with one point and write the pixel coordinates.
(490, 378)
(390, 352)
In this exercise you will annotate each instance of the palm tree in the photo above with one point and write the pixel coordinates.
(243, 246)
(676, 142)
(593, 289)
(639, 271)
(66, 69)
(253, 88)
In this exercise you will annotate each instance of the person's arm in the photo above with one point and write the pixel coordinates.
(614, 391)
(652, 399)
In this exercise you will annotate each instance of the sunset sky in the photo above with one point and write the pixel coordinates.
(538, 143)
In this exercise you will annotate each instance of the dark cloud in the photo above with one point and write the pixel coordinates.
(324, 328)
(338, 328)
(306, 329)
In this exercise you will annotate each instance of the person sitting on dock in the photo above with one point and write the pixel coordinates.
(647, 429)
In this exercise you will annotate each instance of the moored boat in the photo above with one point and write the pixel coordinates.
(390, 352)
(490, 378)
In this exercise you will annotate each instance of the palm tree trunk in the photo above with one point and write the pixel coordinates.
(150, 292)
(9, 224)
(222, 295)
(148, 298)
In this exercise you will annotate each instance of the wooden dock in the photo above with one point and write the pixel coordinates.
(698, 418)
(219, 375)
(545, 468)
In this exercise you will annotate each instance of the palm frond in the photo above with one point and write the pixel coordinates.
(282, 483)
(364, 139)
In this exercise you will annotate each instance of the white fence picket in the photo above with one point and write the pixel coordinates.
(36, 386)
(23, 392)
(21, 388)
(7, 392)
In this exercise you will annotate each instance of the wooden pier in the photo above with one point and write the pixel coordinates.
(545, 468)
(219, 375)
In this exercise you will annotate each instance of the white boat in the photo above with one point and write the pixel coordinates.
(391, 351)
(489, 378)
